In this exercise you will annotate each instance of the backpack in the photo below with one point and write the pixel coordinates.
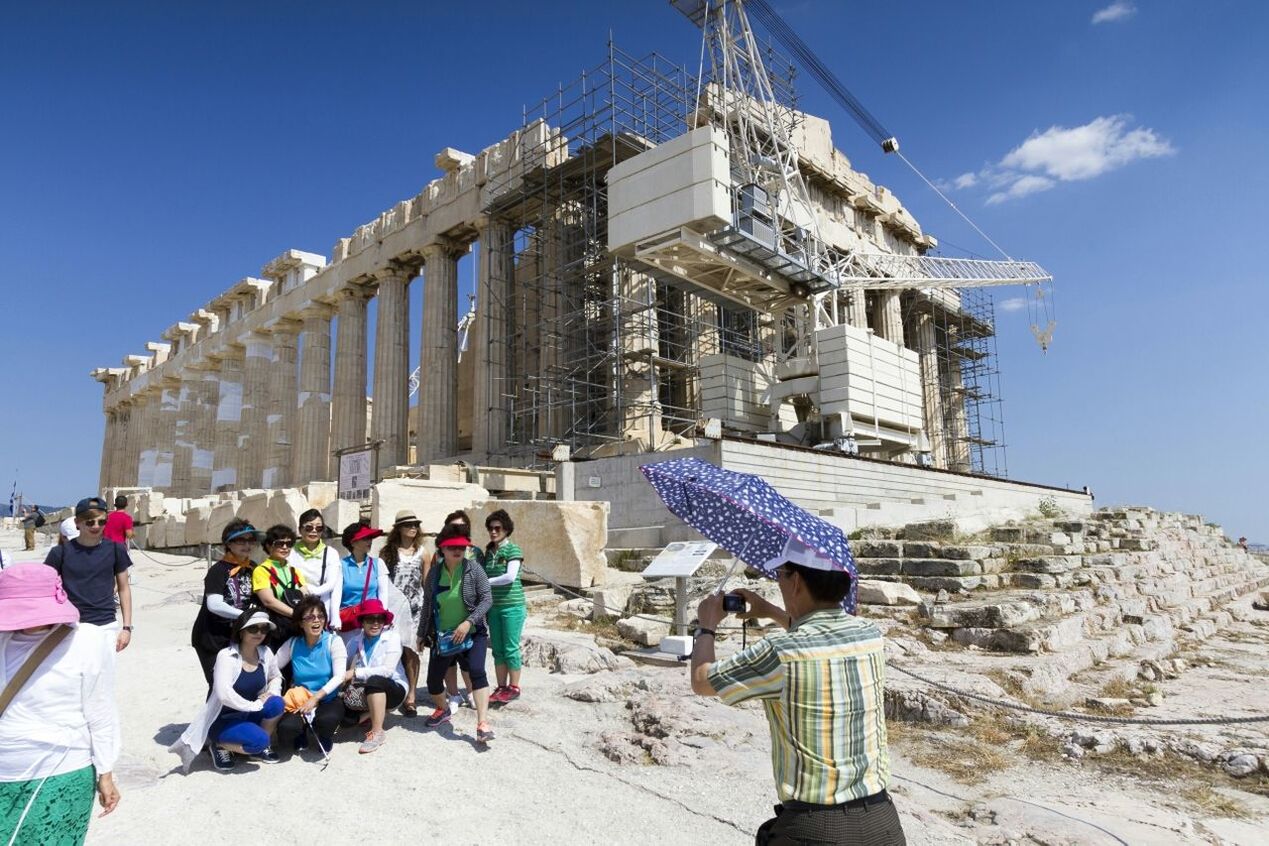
(39, 519)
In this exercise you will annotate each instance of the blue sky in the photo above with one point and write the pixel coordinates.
(153, 153)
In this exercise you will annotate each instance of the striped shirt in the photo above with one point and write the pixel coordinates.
(821, 684)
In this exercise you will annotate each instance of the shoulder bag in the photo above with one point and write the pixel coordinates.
(348, 616)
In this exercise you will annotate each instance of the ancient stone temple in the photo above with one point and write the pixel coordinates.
(633, 295)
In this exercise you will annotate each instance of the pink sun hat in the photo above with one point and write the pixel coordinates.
(32, 595)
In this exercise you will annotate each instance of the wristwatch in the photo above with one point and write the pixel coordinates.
(709, 632)
(128, 629)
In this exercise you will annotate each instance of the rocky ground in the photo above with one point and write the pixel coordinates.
(602, 749)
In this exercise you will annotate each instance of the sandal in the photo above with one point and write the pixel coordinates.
(408, 710)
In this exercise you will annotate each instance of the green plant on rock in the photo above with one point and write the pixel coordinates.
(1048, 508)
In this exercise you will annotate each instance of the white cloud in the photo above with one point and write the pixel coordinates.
(1066, 154)
(1012, 304)
(1021, 187)
(1120, 10)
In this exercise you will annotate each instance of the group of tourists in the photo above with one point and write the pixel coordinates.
(309, 640)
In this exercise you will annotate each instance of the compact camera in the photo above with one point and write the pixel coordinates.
(733, 603)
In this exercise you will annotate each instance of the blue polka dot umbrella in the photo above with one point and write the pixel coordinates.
(749, 518)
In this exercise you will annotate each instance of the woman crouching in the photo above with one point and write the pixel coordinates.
(375, 681)
(243, 709)
(318, 661)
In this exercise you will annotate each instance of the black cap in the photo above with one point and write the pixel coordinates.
(92, 503)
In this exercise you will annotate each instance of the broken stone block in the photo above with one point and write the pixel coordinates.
(320, 494)
(876, 549)
(930, 530)
(1107, 703)
(610, 601)
(1240, 766)
(643, 631)
(341, 513)
(940, 567)
(562, 541)
(887, 593)
(878, 566)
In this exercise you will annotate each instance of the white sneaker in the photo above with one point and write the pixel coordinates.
(455, 702)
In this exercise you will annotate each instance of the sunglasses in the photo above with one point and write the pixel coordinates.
(313, 618)
(288, 544)
(312, 527)
(98, 522)
(410, 525)
(496, 528)
(256, 630)
(374, 620)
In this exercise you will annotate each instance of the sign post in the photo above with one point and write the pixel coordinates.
(358, 469)
(679, 560)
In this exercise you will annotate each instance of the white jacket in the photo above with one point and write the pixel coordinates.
(328, 590)
(63, 718)
(224, 674)
(383, 660)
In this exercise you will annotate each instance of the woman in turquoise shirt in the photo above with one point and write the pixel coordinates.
(318, 661)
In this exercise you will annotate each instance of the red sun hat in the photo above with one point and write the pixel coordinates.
(372, 607)
(32, 595)
(366, 533)
(454, 541)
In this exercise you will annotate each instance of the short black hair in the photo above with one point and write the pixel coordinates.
(452, 530)
(309, 515)
(460, 514)
(121, 501)
(281, 531)
(309, 603)
(501, 516)
(240, 622)
(823, 585)
(346, 536)
(233, 526)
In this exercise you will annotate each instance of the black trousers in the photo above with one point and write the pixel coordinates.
(326, 718)
(869, 825)
(471, 662)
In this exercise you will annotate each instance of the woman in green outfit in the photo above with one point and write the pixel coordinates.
(506, 619)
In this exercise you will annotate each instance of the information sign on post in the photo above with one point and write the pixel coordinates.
(357, 473)
(679, 560)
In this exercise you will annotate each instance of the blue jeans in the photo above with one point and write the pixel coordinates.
(244, 729)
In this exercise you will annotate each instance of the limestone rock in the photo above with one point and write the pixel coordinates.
(572, 654)
(221, 515)
(887, 593)
(285, 507)
(254, 508)
(610, 601)
(643, 631)
(320, 494)
(1240, 766)
(340, 513)
(196, 519)
(605, 687)
(430, 501)
(562, 541)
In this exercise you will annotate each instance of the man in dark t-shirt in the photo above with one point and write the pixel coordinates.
(93, 569)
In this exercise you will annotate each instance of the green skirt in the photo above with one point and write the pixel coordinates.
(58, 816)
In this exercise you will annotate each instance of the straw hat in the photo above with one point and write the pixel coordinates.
(405, 515)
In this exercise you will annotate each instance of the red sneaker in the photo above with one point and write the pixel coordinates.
(499, 696)
(512, 692)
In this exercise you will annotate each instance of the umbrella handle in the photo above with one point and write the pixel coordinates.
(727, 578)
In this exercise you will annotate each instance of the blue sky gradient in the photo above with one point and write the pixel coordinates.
(152, 154)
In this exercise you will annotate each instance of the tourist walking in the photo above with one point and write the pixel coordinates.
(59, 737)
(119, 527)
(316, 560)
(245, 703)
(375, 682)
(278, 586)
(318, 663)
(227, 593)
(821, 684)
(506, 618)
(32, 519)
(456, 599)
(404, 556)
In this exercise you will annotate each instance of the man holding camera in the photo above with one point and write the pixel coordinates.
(821, 684)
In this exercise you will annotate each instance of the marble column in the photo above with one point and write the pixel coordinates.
(132, 445)
(109, 438)
(438, 351)
(497, 267)
(254, 437)
(390, 420)
(889, 316)
(312, 458)
(635, 311)
(114, 463)
(931, 390)
(348, 415)
(203, 415)
(958, 446)
(186, 424)
(857, 308)
(282, 410)
(226, 459)
(165, 434)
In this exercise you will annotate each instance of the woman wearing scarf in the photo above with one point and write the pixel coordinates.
(226, 593)
(317, 561)
(277, 585)
(57, 739)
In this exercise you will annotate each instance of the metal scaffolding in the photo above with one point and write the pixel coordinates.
(603, 352)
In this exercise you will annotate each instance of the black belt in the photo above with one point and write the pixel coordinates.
(875, 799)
